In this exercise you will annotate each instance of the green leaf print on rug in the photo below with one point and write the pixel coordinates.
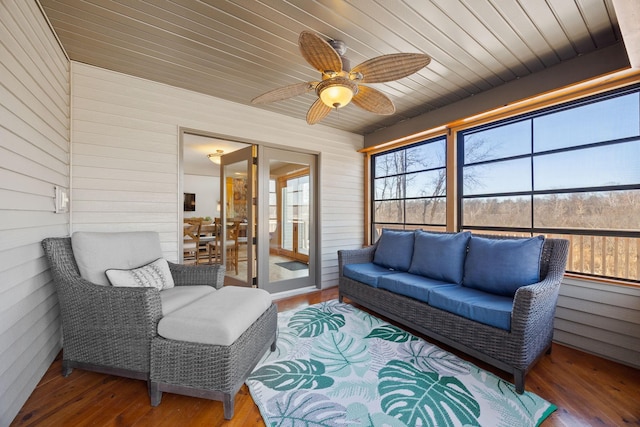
(305, 409)
(337, 366)
(341, 354)
(312, 322)
(391, 333)
(293, 374)
(425, 398)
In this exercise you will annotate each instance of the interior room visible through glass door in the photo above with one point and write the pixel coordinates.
(236, 248)
(289, 180)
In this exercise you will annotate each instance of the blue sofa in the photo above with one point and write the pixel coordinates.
(493, 297)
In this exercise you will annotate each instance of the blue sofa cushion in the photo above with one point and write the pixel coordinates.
(395, 249)
(483, 307)
(502, 266)
(368, 273)
(440, 256)
(410, 285)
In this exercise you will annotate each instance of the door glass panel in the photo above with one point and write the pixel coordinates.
(290, 210)
(295, 214)
(237, 217)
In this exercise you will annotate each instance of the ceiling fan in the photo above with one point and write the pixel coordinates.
(342, 84)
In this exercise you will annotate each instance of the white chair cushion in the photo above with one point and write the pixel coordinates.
(218, 318)
(179, 296)
(97, 252)
(153, 275)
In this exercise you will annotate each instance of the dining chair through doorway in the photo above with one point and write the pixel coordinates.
(230, 244)
(191, 239)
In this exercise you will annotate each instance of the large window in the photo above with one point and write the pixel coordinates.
(409, 187)
(571, 171)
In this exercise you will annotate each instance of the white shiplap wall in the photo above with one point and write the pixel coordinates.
(34, 156)
(600, 318)
(125, 172)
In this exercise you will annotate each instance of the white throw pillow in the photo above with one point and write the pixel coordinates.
(153, 275)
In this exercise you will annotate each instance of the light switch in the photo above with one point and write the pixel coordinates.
(61, 199)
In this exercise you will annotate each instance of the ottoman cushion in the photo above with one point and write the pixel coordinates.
(218, 318)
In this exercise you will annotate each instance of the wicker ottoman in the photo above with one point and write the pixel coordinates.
(206, 359)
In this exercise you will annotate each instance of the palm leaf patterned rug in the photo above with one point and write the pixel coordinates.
(336, 365)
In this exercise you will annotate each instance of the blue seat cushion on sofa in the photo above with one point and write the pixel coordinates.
(440, 256)
(368, 273)
(483, 307)
(410, 285)
(502, 266)
(394, 250)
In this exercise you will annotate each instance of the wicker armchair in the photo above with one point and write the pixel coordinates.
(114, 330)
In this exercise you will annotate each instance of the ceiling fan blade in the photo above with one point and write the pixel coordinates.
(390, 67)
(373, 100)
(319, 53)
(317, 112)
(285, 92)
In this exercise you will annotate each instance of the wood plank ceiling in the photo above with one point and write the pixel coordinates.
(238, 49)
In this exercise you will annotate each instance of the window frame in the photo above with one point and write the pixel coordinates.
(531, 193)
(580, 91)
(404, 224)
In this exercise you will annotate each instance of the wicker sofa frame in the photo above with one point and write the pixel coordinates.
(113, 330)
(514, 351)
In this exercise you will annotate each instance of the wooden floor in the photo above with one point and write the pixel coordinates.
(588, 391)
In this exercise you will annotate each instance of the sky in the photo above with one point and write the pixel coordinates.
(607, 120)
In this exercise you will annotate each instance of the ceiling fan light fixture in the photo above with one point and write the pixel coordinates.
(341, 84)
(215, 157)
(336, 92)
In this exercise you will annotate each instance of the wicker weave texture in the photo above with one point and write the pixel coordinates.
(514, 351)
(201, 274)
(213, 367)
(285, 92)
(114, 330)
(317, 112)
(111, 326)
(319, 53)
(391, 67)
(373, 100)
(102, 325)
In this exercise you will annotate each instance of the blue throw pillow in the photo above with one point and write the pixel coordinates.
(395, 249)
(502, 266)
(440, 256)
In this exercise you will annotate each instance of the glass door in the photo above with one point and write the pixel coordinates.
(286, 244)
(237, 231)
(295, 209)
